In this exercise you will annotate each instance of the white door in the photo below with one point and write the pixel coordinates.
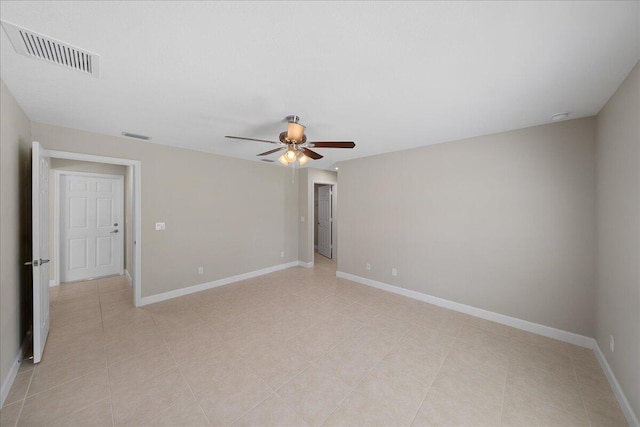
(40, 247)
(91, 226)
(324, 220)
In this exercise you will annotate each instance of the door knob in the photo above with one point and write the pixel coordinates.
(114, 231)
(43, 261)
(115, 224)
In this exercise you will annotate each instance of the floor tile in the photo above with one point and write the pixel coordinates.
(466, 357)
(186, 412)
(359, 410)
(227, 401)
(398, 395)
(57, 403)
(463, 400)
(19, 388)
(140, 368)
(521, 408)
(95, 415)
(132, 345)
(55, 374)
(143, 400)
(436, 341)
(314, 395)
(276, 367)
(9, 414)
(273, 412)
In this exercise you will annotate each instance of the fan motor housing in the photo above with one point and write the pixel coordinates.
(284, 138)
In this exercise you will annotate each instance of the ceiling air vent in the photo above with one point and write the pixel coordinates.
(32, 44)
(136, 136)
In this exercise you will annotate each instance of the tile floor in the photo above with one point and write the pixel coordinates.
(295, 348)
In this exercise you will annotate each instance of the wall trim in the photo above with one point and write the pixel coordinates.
(632, 419)
(53, 283)
(13, 372)
(305, 264)
(152, 299)
(514, 322)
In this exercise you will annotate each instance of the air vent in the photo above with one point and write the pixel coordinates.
(136, 136)
(32, 44)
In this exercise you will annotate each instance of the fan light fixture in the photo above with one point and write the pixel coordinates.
(291, 156)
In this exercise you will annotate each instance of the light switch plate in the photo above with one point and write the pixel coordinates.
(160, 226)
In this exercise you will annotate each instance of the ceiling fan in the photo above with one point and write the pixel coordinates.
(294, 141)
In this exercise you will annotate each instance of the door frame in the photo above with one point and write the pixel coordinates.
(56, 215)
(334, 224)
(136, 167)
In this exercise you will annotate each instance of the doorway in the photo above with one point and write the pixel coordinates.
(133, 253)
(323, 220)
(323, 223)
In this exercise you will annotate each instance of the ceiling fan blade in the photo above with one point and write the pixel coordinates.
(311, 153)
(333, 144)
(252, 139)
(271, 151)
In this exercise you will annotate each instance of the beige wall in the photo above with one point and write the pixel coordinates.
(306, 178)
(503, 222)
(227, 215)
(91, 167)
(618, 267)
(15, 142)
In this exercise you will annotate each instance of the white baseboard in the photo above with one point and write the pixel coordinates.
(514, 322)
(11, 376)
(126, 273)
(53, 283)
(632, 419)
(221, 282)
(305, 264)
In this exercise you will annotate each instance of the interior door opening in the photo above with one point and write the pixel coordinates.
(129, 225)
(323, 220)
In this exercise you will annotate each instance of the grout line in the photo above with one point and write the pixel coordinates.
(106, 362)
(188, 385)
(26, 393)
(504, 391)
(584, 405)
(367, 374)
(444, 359)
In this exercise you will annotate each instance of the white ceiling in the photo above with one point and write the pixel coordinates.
(387, 75)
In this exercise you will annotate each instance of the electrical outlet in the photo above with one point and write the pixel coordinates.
(368, 266)
(612, 343)
(200, 270)
(301, 219)
(160, 226)
(394, 271)
(282, 254)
